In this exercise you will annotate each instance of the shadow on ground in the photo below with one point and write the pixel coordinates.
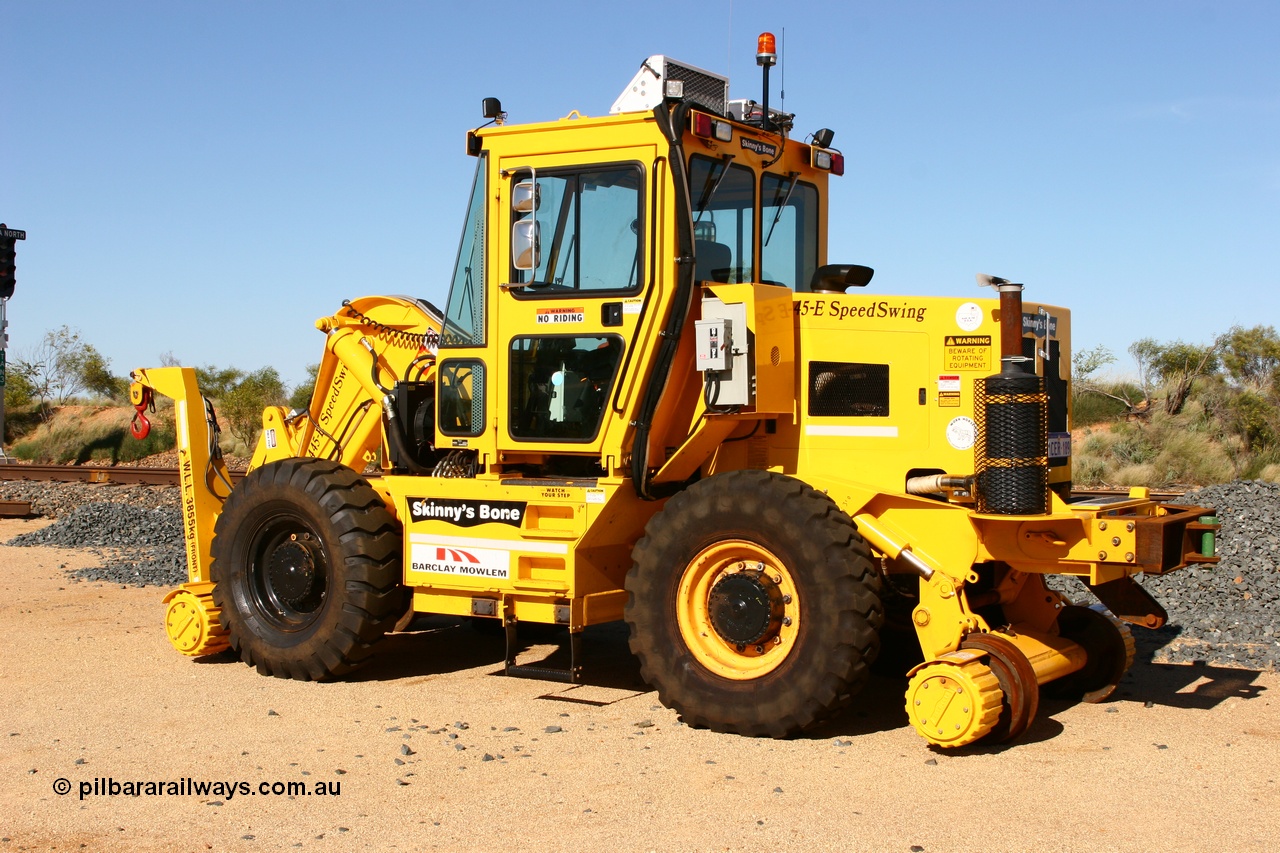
(440, 644)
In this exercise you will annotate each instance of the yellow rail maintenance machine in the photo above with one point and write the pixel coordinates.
(652, 397)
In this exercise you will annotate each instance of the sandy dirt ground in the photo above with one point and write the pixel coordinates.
(431, 748)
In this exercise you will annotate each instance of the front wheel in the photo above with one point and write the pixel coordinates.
(753, 605)
(306, 567)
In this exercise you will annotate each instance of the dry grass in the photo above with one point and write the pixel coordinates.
(1162, 451)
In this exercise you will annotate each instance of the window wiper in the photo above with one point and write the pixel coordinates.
(710, 193)
(791, 187)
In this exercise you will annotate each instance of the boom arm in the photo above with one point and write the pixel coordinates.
(200, 463)
(191, 618)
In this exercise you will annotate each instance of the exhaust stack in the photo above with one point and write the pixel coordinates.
(1011, 411)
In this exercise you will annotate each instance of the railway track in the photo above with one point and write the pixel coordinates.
(124, 475)
(127, 475)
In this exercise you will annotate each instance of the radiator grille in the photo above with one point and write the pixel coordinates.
(848, 389)
(706, 91)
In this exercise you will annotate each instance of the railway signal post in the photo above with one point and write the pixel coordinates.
(8, 267)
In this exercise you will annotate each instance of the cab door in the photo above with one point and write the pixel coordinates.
(577, 270)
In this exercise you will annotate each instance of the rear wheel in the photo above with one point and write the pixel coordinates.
(306, 567)
(753, 605)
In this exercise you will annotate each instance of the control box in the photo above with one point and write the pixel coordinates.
(723, 346)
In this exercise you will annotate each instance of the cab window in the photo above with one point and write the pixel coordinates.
(588, 231)
(559, 385)
(789, 231)
(724, 206)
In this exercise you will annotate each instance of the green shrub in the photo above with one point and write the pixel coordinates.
(1132, 446)
(242, 405)
(300, 397)
(1088, 470)
(18, 390)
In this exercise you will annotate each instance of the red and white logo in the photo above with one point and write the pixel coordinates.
(456, 555)
(468, 562)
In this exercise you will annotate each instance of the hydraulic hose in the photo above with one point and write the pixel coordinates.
(395, 435)
(671, 123)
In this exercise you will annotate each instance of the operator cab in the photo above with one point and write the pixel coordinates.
(570, 260)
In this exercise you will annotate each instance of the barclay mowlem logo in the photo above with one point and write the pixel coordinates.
(456, 555)
(467, 561)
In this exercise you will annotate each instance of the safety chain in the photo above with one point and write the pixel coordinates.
(429, 340)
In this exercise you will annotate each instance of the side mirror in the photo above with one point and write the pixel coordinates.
(524, 245)
(837, 278)
(526, 197)
(491, 107)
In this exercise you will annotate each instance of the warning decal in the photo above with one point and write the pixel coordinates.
(561, 315)
(949, 399)
(967, 352)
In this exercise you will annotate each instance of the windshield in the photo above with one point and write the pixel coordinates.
(724, 227)
(790, 221)
(464, 315)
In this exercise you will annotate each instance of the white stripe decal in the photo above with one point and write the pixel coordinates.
(499, 544)
(856, 431)
(180, 415)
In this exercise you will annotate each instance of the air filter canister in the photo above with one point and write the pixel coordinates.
(1011, 410)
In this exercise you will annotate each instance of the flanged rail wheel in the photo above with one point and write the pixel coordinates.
(1107, 641)
(192, 622)
(954, 700)
(306, 567)
(753, 605)
(1017, 677)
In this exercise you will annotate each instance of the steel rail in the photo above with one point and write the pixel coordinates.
(126, 474)
(121, 474)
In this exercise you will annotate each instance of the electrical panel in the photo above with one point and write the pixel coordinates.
(714, 341)
(724, 357)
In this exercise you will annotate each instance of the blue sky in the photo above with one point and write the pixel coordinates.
(206, 179)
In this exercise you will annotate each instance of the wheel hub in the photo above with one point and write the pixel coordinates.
(292, 571)
(746, 607)
(954, 700)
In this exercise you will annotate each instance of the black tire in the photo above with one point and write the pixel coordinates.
(306, 567)
(835, 608)
(1109, 646)
(899, 643)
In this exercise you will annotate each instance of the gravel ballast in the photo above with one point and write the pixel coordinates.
(1227, 613)
(136, 531)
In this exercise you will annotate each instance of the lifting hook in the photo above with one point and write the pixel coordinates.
(140, 427)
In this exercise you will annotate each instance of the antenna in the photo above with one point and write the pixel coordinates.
(729, 57)
(782, 70)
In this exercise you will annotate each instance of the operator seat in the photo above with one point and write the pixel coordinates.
(715, 261)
